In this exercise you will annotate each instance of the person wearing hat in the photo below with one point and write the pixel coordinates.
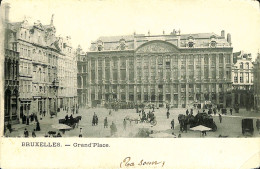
(26, 134)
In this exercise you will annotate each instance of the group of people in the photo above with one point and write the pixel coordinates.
(147, 117)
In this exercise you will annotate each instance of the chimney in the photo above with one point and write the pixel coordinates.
(223, 33)
(229, 38)
(6, 11)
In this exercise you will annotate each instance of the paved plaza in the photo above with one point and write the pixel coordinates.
(230, 126)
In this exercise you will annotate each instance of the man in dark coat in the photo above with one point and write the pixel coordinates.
(187, 112)
(172, 124)
(105, 123)
(124, 123)
(168, 114)
(33, 133)
(231, 110)
(26, 134)
(220, 118)
(38, 126)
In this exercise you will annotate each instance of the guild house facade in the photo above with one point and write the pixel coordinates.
(11, 69)
(242, 77)
(175, 69)
(46, 72)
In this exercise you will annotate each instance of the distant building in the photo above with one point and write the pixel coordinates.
(257, 84)
(242, 77)
(176, 69)
(47, 68)
(11, 69)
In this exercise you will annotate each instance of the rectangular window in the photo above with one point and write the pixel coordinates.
(168, 65)
(241, 78)
(221, 59)
(227, 59)
(236, 78)
(247, 77)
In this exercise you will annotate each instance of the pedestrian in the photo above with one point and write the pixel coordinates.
(66, 118)
(172, 124)
(220, 118)
(124, 123)
(44, 113)
(9, 127)
(80, 132)
(258, 124)
(191, 111)
(58, 135)
(26, 134)
(38, 126)
(187, 112)
(168, 114)
(113, 129)
(105, 123)
(179, 136)
(27, 121)
(33, 133)
(231, 110)
(204, 133)
(110, 112)
(215, 111)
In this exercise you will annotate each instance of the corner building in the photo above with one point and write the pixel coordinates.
(176, 69)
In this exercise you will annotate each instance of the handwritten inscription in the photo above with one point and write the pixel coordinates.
(128, 163)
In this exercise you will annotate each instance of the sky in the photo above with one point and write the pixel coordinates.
(86, 20)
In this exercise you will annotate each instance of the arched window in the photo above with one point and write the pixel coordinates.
(241, 65)
(247, 65)
(25, 34)
(190, 44)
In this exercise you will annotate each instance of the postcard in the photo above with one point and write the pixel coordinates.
(130, 84)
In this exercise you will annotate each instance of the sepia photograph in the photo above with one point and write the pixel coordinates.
(129, 84)
(144, 77)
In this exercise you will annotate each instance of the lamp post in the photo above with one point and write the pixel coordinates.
(56, 86)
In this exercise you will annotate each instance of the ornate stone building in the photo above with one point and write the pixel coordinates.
(176, 69)
(47, 69)
(242, 78)
(11, 69)
(257, 84)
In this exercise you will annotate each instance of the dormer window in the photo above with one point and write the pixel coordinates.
(99, 45)
(190, 44)
(122, 45)
(213, 44)
(99, 48)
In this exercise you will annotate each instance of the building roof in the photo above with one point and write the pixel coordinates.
(111, 43)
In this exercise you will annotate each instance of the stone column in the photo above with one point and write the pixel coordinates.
(187, 94)
(224, 67)
(127, 81)
(202, 67)
(142, 93)
(111, 71)
(172, 94)
(209, 66)
(179, 67)
(217, 93)
(179, 95)
(118, 71)
(217, 67)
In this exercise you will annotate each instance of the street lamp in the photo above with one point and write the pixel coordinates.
(55, 84)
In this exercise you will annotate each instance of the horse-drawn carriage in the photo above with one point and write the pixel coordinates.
(200, 119)
(72, 122)
(143, 119)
